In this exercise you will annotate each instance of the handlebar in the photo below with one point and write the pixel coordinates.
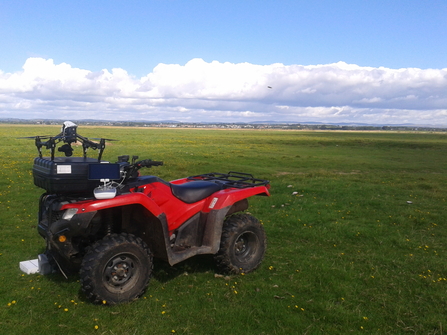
(131, 169)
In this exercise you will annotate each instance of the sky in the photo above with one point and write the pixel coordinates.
(375, 62)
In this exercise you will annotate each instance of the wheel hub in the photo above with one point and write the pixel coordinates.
(240, 245)
(119, 271)
(245, 246)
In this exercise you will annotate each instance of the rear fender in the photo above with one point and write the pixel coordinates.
(214, 224)
(210, 242)
(229, 197)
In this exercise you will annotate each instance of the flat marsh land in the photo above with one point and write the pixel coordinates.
(357, 237)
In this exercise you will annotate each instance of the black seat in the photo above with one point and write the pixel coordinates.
(195, 190)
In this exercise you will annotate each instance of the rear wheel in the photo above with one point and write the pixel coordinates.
(242, 245)
(116, 269)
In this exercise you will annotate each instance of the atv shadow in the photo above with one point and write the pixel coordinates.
(163, 272)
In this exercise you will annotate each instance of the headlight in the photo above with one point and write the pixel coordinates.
(68, 214)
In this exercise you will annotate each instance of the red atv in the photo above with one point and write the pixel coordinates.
(108, 222)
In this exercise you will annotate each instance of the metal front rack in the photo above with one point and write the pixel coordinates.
(231, 179)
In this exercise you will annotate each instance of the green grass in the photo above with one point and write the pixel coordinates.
(346, 253)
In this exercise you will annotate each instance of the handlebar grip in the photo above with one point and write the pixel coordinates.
(148, 163)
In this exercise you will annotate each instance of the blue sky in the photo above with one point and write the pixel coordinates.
(326, 61)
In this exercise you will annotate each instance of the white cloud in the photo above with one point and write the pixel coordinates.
(201, 91)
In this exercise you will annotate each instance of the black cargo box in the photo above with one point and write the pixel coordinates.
(64, 174)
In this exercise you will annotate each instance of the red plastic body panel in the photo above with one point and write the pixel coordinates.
(157, 198)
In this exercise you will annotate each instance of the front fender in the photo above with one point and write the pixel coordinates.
(60, 233)
(74, 227)
(118, 201)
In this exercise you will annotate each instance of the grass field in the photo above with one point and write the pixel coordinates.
(347, 254)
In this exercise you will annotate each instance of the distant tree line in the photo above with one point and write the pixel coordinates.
(236, 125)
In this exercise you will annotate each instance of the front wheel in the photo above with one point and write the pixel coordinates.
(242, 245)
(116, 269)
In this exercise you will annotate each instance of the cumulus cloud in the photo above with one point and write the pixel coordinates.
(227, 92)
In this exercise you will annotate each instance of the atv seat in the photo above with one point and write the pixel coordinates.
(195, 190)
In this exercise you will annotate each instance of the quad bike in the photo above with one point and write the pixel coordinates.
(107, 221)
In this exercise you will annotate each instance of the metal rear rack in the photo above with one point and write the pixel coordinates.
(231, 179)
